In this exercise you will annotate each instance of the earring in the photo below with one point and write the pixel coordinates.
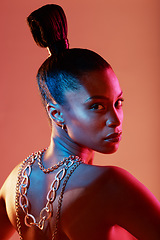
(63, 126)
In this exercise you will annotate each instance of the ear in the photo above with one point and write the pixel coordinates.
(55, 113)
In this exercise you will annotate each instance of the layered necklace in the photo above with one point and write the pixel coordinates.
(72, 162)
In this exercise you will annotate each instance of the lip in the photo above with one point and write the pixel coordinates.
(114, 137)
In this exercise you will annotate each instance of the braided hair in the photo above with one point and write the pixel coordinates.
(64, 68)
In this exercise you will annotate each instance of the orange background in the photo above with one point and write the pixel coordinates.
(126, 33)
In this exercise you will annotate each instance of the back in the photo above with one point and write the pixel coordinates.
(89, 204)
(81, 198)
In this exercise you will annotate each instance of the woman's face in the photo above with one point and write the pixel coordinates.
(94, 114)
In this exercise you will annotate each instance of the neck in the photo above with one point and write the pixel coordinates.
(62, 145)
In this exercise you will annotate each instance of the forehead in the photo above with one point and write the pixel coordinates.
(101, 81)
(97, 83)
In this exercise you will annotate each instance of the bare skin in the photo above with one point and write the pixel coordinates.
(98, 201)
(95, 201)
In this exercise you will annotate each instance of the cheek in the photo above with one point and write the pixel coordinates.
(76, 122)
(122, 115)
(78, 127)
(83, 128)
(77, 117)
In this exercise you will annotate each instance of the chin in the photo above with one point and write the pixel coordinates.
(110, 150)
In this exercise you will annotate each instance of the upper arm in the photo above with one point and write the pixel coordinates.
(6, 228)
(133, 206)
(7, 206)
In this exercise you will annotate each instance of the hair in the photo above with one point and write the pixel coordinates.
(62, 71)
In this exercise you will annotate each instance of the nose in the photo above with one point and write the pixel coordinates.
(114, 118)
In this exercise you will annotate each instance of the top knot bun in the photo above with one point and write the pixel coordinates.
(48, 26)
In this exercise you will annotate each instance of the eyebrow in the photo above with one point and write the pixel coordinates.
(102, 97)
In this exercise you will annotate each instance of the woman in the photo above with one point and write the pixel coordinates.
(59, 193)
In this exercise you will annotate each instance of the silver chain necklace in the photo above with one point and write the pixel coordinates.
(23, 185)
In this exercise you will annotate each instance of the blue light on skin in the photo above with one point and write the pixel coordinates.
(93, 112)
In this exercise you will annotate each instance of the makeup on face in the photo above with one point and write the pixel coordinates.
(95, 117)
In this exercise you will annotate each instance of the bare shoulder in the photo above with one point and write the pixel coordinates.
(8, 192)
(123, 191)
(109, 178)
(132, 205)
(7, 202)
(117, 198)
(117, 181)
(10, 183)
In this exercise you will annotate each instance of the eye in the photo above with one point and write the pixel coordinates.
(118, 103)
(97, 106)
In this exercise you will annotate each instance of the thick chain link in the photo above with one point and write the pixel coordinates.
(23, 184)
(61, 198)
(28, 159)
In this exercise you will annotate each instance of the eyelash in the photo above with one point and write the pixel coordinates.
(93, 107)
(96, 105)
(119, 100)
